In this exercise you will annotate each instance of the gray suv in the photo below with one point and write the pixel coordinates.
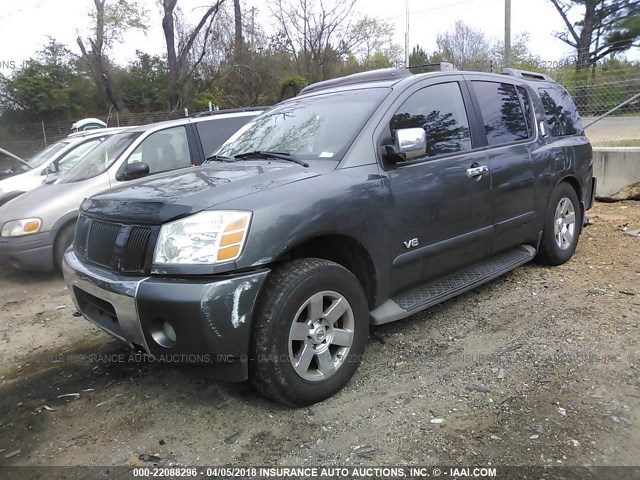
(362, 201)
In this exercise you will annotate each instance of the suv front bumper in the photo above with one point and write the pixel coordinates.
(210, 316)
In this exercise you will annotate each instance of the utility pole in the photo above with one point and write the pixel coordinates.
(406, 39)
(507, 33)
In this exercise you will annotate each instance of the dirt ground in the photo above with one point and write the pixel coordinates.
(540, 367)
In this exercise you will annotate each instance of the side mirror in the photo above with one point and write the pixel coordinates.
(410, 143)
(52, 168)
(135, 170)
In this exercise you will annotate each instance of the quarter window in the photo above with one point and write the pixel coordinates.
(560, 111)
(502, 113)
(440, 110)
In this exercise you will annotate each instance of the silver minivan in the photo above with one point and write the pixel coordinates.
(53, 161)
(37, 227)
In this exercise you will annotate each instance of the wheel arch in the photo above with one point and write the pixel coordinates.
(343, 250)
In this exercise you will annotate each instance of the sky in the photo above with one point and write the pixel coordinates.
(25, 25)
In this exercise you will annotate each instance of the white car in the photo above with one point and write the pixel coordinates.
(53, 161)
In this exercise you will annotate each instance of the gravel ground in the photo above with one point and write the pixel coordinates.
(540, 367)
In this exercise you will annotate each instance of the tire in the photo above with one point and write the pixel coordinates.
(562, 226)
(304, 292)
(64, 239)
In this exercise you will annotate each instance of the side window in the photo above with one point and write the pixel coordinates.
(528, 111)
(10, 166)
(213, 133)
(74, 156)
(440, 110)
(502, 114)
(560, 111)
(164, 150)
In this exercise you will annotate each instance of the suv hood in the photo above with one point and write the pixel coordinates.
(161, 198)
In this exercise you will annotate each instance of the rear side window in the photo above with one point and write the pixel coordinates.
(503, 115)
(440, 110)
(213, 133)
(560, 112)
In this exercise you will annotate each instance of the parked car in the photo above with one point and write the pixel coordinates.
(362, 201)
(37, 227)
(87, 124)
(52, 162)
(11, 164)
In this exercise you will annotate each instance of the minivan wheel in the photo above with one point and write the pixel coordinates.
(562, 226)
(64, 239)
(309, 333)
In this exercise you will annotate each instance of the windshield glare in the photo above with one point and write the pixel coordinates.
(99, 159)
(42, 157)
(322, 126)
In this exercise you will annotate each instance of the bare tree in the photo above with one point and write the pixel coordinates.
(112, 18)
(177, 55)
(466, 47)
(315, 34)
(605, 27)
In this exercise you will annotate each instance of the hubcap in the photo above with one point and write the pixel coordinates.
(321, 336)
(564, 226)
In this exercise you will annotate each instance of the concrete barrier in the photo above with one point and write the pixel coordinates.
(618, 172)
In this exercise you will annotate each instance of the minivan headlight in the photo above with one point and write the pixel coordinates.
(18, 228)
(204, 238)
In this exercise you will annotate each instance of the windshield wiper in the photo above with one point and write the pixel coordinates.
(268, 154)
(218, 158)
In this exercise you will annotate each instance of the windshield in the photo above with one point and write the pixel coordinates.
(100, 158)
(42, 157)
(322, 126)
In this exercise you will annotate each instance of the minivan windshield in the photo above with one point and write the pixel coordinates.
(42, 157)
(322, 126)
(99, 159)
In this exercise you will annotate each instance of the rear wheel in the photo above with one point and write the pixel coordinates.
(63, 241)
(562, 226)
(310, 332)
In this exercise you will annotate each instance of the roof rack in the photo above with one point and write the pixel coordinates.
(443, 66)
(514, 72)
(370, 76)
(208, 113)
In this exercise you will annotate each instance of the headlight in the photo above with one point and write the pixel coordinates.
(18, 228)
(204, 238)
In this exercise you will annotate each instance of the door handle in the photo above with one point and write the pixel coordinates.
(477, 172)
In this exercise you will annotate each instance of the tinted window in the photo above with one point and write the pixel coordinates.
(440, 110)
(10, 166)
(213, 133)
(560, 111)
(502, 114)
(528, 112)
(164, 150)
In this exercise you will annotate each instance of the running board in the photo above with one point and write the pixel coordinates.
(431, 294)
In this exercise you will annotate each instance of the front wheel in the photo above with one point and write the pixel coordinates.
(64, 239)
(562, 226)
(310, 332)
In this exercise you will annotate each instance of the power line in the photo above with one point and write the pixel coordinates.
(431, 9)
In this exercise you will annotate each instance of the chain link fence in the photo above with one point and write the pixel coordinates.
(27, 139)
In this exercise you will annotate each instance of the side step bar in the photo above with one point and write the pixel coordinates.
(431, 294)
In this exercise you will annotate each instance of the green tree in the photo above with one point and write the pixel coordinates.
(604, 27)
(48, 86)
